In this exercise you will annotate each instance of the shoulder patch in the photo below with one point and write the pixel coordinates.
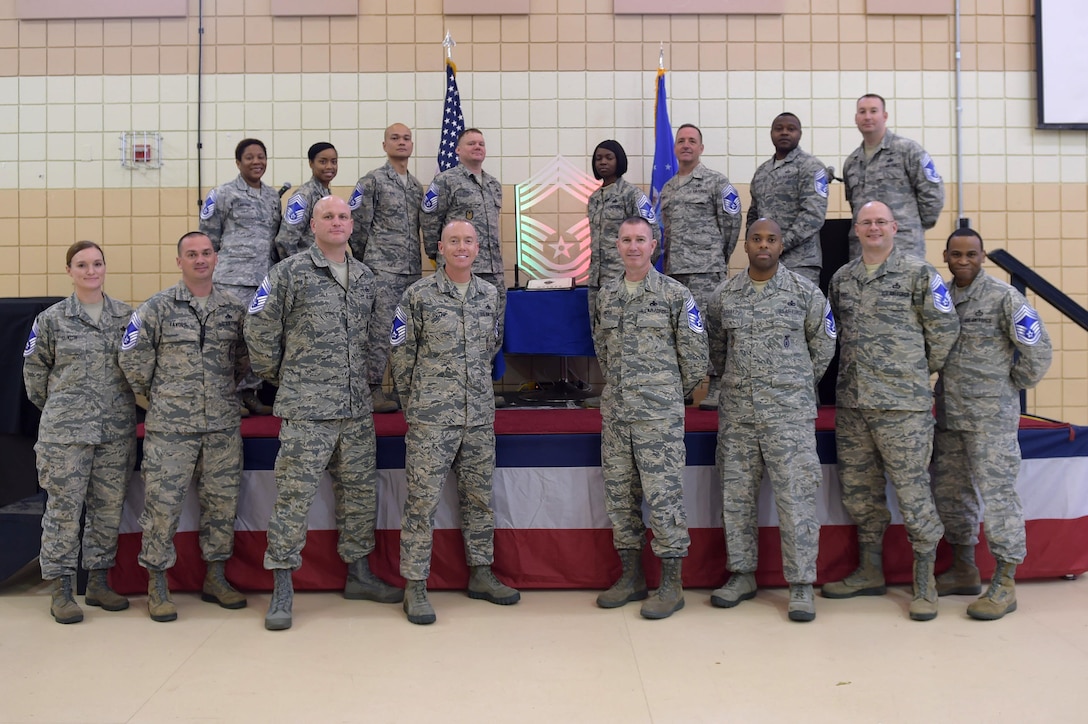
(430, 199)
(730, 200)
(942, 300)
(132, 332)
(260, 297)
(356, 196)
(829, 322)
(32, 340)
(695, 318)
(646, 209)
(930, 169)
(1029, 330)
(208, 209)
(819, 182)
(398, 333)
(296, 210)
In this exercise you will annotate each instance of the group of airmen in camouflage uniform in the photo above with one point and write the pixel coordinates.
(346, 299)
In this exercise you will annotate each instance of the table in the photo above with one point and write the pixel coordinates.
(550, 322)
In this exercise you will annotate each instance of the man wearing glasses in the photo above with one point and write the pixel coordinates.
(897, 325)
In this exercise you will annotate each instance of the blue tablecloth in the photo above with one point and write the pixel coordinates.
(548, 323)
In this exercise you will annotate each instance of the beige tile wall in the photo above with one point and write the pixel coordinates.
(1037, 208)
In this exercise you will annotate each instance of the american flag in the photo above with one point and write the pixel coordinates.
(453, 122)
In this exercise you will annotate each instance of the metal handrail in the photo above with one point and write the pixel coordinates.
(1024, 277)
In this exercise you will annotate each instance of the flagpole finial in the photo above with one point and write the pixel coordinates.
(661, 57)
(448, 43)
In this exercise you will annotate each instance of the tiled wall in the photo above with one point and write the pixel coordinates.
(556, 81)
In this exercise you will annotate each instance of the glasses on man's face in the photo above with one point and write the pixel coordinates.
(868, 223)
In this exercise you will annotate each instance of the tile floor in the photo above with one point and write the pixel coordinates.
(554, 657)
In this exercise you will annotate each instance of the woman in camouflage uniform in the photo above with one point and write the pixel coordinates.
(295, 233)
(87, 439)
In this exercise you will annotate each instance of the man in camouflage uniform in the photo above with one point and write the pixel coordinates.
(184, 351)
(307, 330)
(791, 188)
(652, 347)
(895, 171)
(385, 237)
(466, 191)
(242, 218)
(443, 337)
(700, 213)
(772, 335)
(896, 327)
(1003, 348)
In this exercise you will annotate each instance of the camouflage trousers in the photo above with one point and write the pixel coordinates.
(171, 461)
(249, 381)
(389, 288)
(968, 465)
(644, 461)
(499, 282)
(787, 452)
(872, 443)
(431, 451)
(348, 449)
(702, 288)
(76, 475)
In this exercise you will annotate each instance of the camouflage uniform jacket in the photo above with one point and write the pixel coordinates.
(242, 223)
(456, 194)
(608, 207)
(701, 214)
(385, 213)
(187, 362)
(652, 348)
(896, 327)
(772, 346)
(307, 334)
(295, 232)
(442, 347)
(902, 175)
(794, 195)
(71, 374)
(983, 375)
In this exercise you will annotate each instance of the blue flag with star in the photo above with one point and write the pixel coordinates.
(664, 151)
(453, 121)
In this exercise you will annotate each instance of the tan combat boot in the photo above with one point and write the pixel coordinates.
(669, 597)
(631, 585)
(363, 585)
(63, 604)
(217, 588)
(923, 607)
(100, 594)
(416, 605)
(713, 392)
(1000, 598)
(962, 578)
(380, 402)
(159, 604)
(278, 617)
(483, 585)
(739, 587)
(867, 580)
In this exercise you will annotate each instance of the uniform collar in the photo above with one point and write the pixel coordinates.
(971, 289)
(320, 260)
(448, 287)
